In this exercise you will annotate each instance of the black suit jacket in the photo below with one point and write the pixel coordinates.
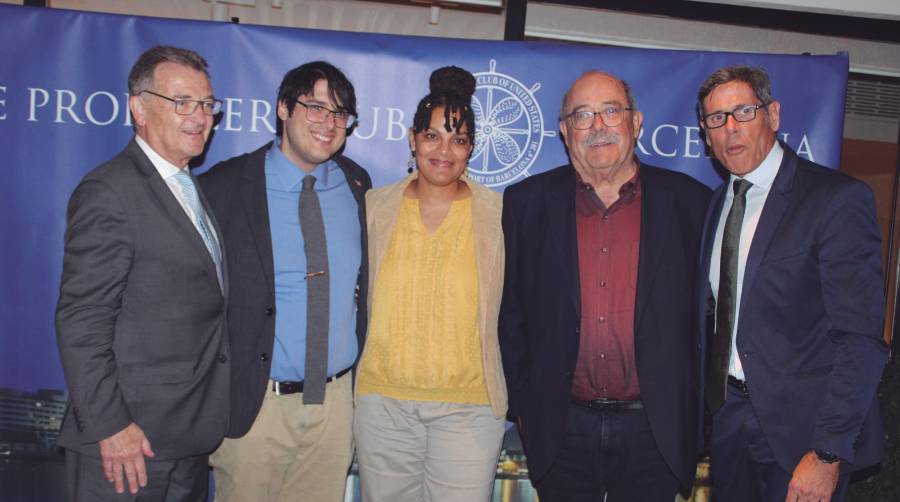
(141, 317)
(237, 192)
(541, 310)
(812, 312)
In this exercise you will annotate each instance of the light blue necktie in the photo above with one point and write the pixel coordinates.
(190, 194)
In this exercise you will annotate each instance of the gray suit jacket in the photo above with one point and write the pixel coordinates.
(141, 317)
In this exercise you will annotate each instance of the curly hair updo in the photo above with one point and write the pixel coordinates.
(451, 87)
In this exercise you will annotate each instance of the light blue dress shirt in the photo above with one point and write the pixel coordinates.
(342, 233)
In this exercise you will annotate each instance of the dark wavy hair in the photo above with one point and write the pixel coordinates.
(302, 80)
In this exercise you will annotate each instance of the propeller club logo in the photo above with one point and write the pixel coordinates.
(509, 128)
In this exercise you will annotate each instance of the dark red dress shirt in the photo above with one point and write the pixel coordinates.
(609, 240)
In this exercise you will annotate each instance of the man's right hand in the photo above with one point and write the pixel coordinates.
(124, 452)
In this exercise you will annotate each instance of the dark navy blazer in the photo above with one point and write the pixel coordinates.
(812, 311)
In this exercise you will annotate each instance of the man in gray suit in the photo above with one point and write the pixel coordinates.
(141, 315)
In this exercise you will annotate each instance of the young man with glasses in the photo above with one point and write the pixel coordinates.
(791, 281)
(141, 316)
(293, 213)
(597, 329)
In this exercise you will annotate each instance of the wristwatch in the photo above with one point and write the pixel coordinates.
(827, 456)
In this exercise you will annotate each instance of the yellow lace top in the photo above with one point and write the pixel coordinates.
(423, 342)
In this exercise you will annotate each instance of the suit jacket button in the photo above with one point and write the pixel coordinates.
(270, 311)
(223, 358)
(264, 357)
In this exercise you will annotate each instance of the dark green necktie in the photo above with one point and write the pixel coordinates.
(726, 303)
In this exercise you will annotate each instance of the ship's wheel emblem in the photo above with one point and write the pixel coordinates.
(509, 128)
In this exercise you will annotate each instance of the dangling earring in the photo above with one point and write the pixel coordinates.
(411, 163)
(465, 173)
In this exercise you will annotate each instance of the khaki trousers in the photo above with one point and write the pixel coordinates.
(293, 452)
(425, 451)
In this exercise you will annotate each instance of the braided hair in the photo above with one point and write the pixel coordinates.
(451, 87)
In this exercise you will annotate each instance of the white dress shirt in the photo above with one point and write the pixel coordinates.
(761, 178)
(168, 171)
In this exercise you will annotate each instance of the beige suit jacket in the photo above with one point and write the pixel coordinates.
(382, 207)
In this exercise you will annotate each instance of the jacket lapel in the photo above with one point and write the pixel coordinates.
(219, 237)
(172, 208)
(488, 236)
(381, 219)
(709, 229)
(256, 210)
(710, 223)
(562, 232)
(357, 186)
(656, 204)
(773, 211)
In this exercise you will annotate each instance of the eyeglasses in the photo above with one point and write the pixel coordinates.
(741, 113)
(189, 106)
(584, 119)
(318, 114)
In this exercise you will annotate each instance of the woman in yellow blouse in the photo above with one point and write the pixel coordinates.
(431, 397)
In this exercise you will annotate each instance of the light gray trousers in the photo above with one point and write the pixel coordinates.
(413, 451)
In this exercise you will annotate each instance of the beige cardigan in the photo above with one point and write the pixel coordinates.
(382, 207)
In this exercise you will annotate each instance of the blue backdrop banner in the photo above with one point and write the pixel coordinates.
(63, 110)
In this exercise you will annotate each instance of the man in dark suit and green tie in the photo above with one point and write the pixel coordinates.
(792, 265)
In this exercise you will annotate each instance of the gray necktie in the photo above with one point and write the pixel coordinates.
(726, 303)
(317, 293)
(189, 190)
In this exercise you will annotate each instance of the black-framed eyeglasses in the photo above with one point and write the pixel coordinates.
(189, 106)
(741, 113)
(318, 114)
(611, 116)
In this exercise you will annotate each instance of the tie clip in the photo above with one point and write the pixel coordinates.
(315, 274)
